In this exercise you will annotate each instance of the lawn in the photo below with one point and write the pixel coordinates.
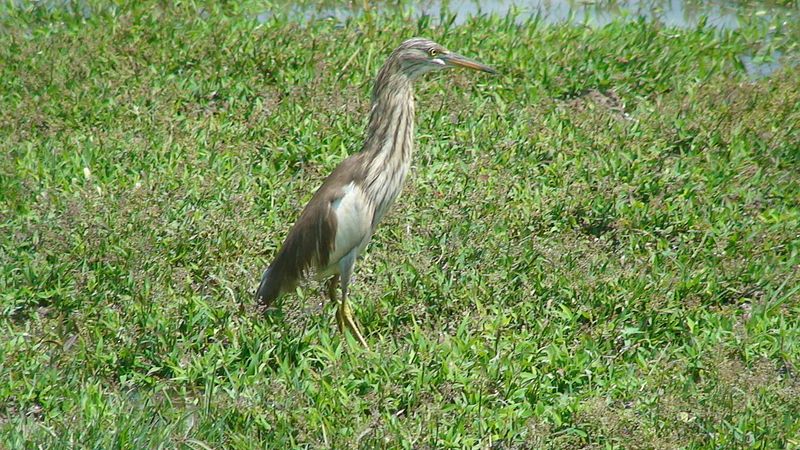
(597, 248)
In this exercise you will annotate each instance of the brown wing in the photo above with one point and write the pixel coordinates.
(311, 240)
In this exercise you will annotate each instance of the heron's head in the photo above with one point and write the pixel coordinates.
(418, 56)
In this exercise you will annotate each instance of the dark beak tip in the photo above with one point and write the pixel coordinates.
(458, 60)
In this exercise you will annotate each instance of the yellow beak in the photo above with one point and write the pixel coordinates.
(454, 59)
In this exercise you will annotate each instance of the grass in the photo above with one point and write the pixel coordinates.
(598, 248)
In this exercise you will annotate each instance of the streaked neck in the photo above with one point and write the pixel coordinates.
(390, 141)
(391, 118)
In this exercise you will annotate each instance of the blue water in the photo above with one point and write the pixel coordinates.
(720, 14)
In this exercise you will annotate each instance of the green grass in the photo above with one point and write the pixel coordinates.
(598, 248)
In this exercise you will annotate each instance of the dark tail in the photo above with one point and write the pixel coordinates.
(270, 287)
(290, 264)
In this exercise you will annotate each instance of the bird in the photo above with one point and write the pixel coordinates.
(338, 222)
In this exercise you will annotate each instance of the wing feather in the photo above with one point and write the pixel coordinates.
(314, 242)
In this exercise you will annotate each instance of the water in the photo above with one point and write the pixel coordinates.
(760, 67)
(720, 14)
(674, 13)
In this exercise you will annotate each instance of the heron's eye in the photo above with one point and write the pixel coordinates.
(433, 52)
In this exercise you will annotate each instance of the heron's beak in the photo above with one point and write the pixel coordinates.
(454, 59)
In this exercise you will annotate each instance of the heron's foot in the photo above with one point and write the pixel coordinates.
(344, 318)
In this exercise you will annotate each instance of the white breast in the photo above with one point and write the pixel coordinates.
(353, 230)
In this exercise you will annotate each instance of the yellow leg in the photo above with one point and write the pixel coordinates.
(344, 318)
(344, 315)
